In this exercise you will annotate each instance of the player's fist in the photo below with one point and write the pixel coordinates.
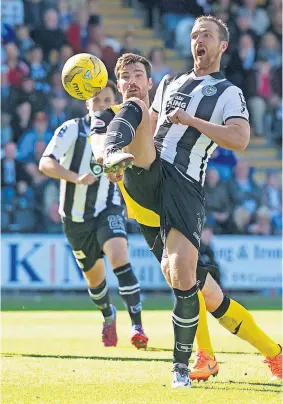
(86, 179)
(179, 116)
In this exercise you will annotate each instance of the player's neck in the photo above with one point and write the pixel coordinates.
(205, 72)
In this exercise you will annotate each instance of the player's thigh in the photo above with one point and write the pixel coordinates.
(112, 236)
(84, 243)
(182, 256)
(142, 146)
(212, 294)
(144, 186)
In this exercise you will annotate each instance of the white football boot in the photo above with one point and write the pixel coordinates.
(181, 378)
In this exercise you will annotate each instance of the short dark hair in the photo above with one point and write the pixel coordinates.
(222, 27)
(130, 58)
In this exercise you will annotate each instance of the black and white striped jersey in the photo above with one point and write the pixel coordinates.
(71, 148)
(211, 98)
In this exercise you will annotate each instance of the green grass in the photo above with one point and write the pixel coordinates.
(59, 301)
(55, 357)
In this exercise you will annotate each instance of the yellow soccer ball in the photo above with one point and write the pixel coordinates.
(84, 75)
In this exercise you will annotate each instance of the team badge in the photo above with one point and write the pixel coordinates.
(209, 91)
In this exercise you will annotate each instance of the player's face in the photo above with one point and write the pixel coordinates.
(206, 46)
(133, 81)
(103, 100)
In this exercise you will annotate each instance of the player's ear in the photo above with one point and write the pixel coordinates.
(224, 46)
(150, 83)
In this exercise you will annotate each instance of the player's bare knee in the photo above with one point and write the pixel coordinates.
(166, 270)
(116, 251)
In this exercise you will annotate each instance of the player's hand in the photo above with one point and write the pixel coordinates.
(86, 179)
(179, 116)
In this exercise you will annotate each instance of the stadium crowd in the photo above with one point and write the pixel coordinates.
(38, 36)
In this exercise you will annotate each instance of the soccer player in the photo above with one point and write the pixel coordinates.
(192, 114)
(93, 218)
(229, 313)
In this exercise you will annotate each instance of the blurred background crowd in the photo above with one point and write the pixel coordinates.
(243, 196)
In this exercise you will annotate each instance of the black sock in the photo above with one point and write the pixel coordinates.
(122, 129)
(185, 322)
(100, 297)
(129, 289)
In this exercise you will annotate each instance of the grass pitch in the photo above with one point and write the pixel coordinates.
(57, 357)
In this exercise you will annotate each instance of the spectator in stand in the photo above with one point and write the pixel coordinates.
(38, 69)
(159, 67)
(262, 225)
(21, 119)
(258, 93)
(224, 161)
(37, 98)
(7, 33)
(275, 105)
(259, 20)
(24, 41)
(242, 61)
(245, 195)
(53, 222)
(65, 53)
(276, 25)
(39, 132)
(17, 69)
(270, 49)
(239, 26)
(128, 44)
(49, 36)
(57, 113)
(24, 208)
(217, 202)
(78, 32)
(65, 15)
(56, 84)
(6, 129)
(174, 12)
(34, 10)
(272, 198)
(12, 170)
(53, 62)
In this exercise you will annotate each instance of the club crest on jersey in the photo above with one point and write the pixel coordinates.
(177, 100)
(209, 91)
(95, 167)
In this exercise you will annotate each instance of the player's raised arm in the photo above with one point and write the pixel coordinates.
(64, 137)
(234, 134)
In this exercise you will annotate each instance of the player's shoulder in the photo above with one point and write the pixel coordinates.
(229, 87)
(70, 125)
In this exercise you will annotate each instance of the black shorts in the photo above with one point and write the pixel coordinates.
(179, 200)
(154, 241)
(88, 238)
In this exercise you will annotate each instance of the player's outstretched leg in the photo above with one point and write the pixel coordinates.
(129, 138)
(99, 293)
(116, 250)
(236, 319)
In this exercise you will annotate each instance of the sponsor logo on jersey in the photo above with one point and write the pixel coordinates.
(98, 123)
(177, 100)
(209, 91)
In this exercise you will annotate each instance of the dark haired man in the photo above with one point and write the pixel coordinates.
(93, 218)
